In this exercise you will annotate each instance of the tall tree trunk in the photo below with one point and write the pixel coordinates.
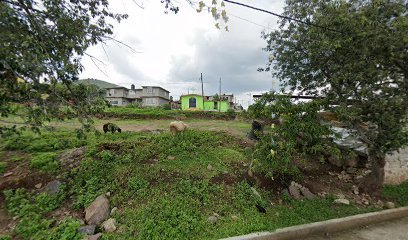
(374, 181)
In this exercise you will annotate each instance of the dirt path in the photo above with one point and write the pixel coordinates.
(391, 230)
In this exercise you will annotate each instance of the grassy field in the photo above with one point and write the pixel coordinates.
(164, 186)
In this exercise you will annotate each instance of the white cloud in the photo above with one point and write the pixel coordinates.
(176, 48)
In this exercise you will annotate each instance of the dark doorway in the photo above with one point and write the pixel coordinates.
(192, 103)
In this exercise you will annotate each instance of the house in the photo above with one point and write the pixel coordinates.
(147, 96)
(154, 96)
(196, 102)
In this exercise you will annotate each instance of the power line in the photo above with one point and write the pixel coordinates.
(281, 16)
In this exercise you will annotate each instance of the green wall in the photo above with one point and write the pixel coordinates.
(200, 105)
(185, 101)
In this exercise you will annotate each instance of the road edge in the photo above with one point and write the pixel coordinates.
(329, 226)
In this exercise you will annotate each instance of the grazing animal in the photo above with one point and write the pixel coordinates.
(177, 127)
(260, 208)
(111, 127)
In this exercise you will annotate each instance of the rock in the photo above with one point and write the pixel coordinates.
(212, 219)
(342, 201)
(107, 194)
(53, 187)
(351, 170)
(234, 217)
(209, 167)
(307, 193)
(256, 193)
(171, 157)
(216, 215)
(250, 173)
(72, 157)
(94, 237)
(294, 192)
(340, 195)
(380, 204)
(177, 127)
(97, 211)
(355, 190)
(285, 192)
(38, 186)
(88, 230)
(352, 162)
(334, 160)
(8, 174)
(113, 210)
(365, 202)
(389, 205)
(109, 225)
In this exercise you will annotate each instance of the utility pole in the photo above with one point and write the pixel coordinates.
(219, 99)
(202, 89)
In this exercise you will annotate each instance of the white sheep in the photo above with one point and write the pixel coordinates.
(177, 127)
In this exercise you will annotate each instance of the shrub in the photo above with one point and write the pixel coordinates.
(45, 161)
(166, 106)
(299, 134)
(231, 113)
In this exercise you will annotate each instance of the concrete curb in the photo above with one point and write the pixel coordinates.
(329, 226)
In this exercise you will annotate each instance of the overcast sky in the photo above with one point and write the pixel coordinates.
(173, 49)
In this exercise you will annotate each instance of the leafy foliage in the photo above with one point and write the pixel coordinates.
(298, 134)
(45, 161)
(30, 210)
(46, 40)
(356, 59)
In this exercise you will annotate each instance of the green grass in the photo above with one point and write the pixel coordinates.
(157, 113)
(397, 193)
(160, 184)
(3, 166)
(46, 162)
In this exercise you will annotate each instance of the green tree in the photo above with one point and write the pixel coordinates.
(355, 53)
(41, 46)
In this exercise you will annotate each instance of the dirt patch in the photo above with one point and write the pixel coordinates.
(19, 174)
(224, 178)
(110, 147)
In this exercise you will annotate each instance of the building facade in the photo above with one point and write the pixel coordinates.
(147, 96)
(194, 102)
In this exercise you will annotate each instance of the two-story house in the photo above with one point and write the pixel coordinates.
(148, 96)
(154, 96)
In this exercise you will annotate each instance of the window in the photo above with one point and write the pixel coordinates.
(149, 90)
(150, 101)
(111, 92)
(113, 102)
(192, 102)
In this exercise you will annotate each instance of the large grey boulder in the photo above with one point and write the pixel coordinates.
(88, 230)
(97, 211)
(53, 187)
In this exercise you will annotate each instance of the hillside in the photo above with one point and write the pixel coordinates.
(99, 83)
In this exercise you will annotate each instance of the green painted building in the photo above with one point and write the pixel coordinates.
(196, 102)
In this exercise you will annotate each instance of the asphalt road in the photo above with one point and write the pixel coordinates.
(392, 230)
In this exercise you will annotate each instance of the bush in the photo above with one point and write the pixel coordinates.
(298, 135)
(231, 113)
(166, 106)
(45, 161)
